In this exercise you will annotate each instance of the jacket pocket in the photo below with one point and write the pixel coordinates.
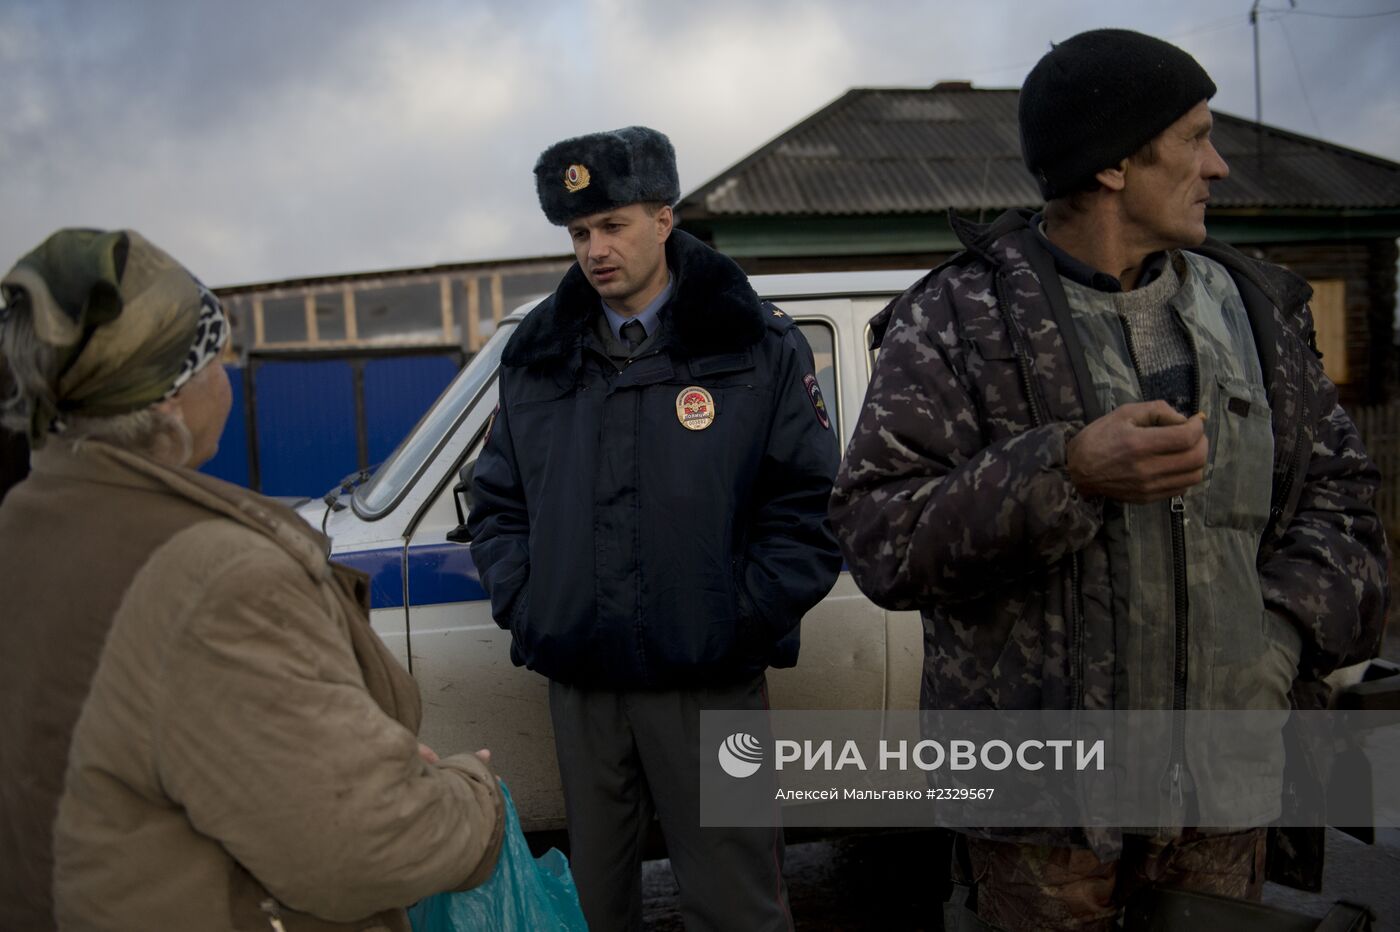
(508, 595)
(693, 628)
(522, 650)
(520, 608)
(1239, 477)
(987, 333)
(754, 638)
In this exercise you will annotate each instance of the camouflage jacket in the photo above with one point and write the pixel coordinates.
(954, 496)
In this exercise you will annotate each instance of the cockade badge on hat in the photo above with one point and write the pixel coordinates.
(576, 178)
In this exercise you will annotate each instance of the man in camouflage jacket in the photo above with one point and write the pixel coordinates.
(1100, 455)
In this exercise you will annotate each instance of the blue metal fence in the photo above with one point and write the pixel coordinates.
(305, 421)
(396, 392)
(298, 425)
(231, 462)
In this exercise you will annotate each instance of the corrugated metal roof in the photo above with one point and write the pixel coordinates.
(923, 150)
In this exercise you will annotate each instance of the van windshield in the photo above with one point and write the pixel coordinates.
(376, 496)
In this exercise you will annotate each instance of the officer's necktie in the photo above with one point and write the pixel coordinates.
(633, 333)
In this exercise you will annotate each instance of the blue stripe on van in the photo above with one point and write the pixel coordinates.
(441, 573)
(382, 568)
(437, 574)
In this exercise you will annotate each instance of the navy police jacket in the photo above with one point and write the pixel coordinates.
(623, 548)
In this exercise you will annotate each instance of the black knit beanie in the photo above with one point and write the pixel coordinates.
(1097, 98)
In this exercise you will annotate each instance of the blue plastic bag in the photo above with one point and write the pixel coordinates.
(523, 894)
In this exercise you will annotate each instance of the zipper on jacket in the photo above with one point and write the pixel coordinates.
(1179, 587)
(1023, 354)
(1180, 598)
(1178, 506)
(1290, 475)
(1076, 636)
(1037, 416)
(1179, 673)
(639, 626)
(613, 362)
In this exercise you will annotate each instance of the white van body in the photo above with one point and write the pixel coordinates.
(430, 609)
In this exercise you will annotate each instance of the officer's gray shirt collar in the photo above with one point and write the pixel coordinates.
(1086, 274)
(647, 317)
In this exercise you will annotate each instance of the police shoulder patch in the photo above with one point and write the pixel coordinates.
(814, 393)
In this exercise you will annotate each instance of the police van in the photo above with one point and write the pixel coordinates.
(403, 527)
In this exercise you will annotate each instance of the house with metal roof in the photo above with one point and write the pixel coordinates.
(867, 181)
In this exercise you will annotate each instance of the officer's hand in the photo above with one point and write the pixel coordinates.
(484, 755)
(1139, 453)
(428, 754)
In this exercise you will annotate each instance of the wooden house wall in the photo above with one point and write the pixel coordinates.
(1367, 271)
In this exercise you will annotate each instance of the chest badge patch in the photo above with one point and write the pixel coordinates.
(576, 178)
(814, 392)
(695, 408)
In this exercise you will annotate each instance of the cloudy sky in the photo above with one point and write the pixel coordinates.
(259, 140)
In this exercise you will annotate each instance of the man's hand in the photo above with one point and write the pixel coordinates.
(1139, 453)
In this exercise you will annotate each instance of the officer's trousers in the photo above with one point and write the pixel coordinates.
(626, 755)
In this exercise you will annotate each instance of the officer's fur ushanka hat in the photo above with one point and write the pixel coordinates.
(600, 171)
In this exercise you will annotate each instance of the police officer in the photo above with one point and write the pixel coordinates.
(650, 523)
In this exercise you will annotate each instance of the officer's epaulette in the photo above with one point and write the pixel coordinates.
(776, 318)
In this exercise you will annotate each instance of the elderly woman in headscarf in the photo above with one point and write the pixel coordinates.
(246, 755)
